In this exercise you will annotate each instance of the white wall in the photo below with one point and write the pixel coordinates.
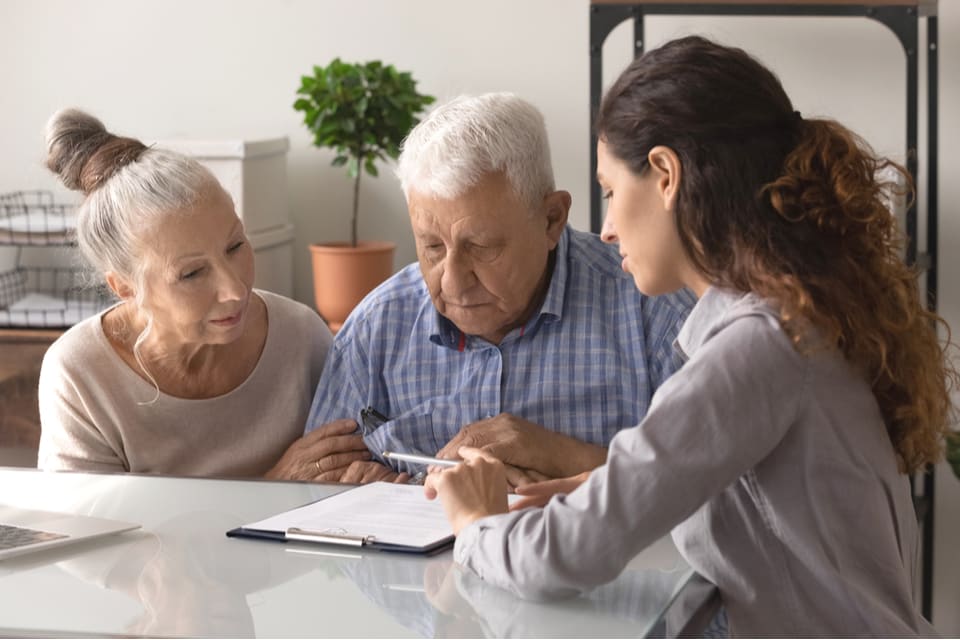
(229, 68)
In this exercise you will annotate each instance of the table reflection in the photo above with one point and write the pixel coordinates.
(434, 597)
(186, 579)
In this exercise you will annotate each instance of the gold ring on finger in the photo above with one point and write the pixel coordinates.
(316, 463)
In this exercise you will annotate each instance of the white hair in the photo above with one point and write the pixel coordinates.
(463, 140)
(129, 188)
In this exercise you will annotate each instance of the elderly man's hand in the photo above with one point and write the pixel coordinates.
(323, 455)
(364, 472)
(538, 494)
(528, 446)
(518, 477)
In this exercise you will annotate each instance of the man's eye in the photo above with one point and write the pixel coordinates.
(485, 254)
(235, 246)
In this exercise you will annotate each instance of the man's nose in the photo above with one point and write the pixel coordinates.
(458, 276)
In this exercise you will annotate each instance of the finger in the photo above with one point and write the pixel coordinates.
(515, 477)
(334, 475)
(544, 488)
(338, 460)
(335, 444)
(470, 435)
(335, 428)
(354, 473)
(532, 501)
(430, 489)
(471, 454)
(375, 471)
(536, 476)
(402, 478)
(526, 477)
(449, 450)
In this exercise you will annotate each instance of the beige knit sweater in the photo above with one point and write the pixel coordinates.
(91, 419)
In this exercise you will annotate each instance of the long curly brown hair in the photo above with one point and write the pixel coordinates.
(794, 210)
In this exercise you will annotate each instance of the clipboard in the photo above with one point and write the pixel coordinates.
(380, 515)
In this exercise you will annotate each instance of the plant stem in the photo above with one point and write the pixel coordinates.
(356, 202)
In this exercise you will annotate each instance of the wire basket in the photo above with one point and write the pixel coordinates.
(34, 218)
(48, 297)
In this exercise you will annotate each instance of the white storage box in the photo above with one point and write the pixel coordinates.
(273, 249)
(254, 173)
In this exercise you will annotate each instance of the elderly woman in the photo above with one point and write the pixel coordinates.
(193, 372)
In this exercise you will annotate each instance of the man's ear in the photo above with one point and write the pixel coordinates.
(665, 164)
(557, 207)
(119, 285)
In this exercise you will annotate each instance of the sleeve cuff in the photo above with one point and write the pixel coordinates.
(466, 542)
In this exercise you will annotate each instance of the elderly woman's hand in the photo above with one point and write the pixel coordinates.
(323, 455)
(470, 491)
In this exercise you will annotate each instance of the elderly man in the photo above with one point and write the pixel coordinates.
(514, 333)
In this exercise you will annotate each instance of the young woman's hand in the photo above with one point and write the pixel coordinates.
(539, 493)
(472, 490)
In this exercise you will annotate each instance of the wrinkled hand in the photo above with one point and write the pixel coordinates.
(518, 477)
(539, 494)
(469, 491)
(364, 472)
(323, 455)
(527, 446)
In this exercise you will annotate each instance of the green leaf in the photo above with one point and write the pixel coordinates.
(953, 451)
(361, 110)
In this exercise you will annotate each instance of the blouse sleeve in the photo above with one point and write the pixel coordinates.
(70, 438)
(710, 423)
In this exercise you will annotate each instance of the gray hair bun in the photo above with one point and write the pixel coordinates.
(83, 153)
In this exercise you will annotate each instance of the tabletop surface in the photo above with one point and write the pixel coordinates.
(181, 576)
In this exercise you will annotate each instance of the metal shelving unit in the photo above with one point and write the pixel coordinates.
(41, 285)
(903, 18)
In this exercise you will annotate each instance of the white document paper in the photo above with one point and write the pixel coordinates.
(387, 513)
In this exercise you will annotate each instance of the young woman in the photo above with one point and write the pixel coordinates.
(813, 378)
(194, 372)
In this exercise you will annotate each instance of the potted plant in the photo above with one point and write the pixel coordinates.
(363, 111)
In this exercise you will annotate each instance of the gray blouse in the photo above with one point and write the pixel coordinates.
(772, 469)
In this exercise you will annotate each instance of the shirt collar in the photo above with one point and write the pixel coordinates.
(444, 333)
(705, 317)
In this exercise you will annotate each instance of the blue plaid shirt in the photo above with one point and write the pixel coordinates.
(586, 365)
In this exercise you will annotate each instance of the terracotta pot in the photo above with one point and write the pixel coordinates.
(344, 274)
